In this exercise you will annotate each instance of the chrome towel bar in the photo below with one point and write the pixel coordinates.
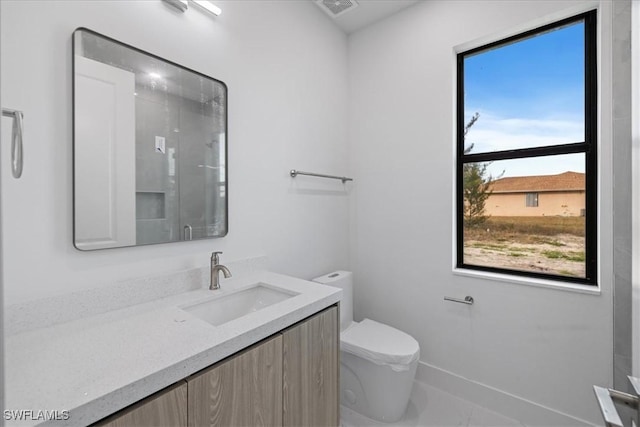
(16, 140)
(295, 173)
(467, 300)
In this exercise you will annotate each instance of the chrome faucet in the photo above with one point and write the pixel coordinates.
(216, 268)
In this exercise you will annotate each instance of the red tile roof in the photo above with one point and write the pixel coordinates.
(567, 181)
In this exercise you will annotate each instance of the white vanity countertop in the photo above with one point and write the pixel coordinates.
(96, 366)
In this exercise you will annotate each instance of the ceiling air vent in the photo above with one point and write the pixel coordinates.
(335, 8)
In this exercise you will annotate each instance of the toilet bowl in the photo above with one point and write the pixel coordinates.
(377, 362)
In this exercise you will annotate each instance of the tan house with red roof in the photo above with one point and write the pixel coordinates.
(542, 195)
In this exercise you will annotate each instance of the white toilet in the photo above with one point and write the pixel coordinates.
(377, 362)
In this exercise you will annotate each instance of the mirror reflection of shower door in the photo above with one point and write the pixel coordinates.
(199, 161)
(157, 139)
(180, 168)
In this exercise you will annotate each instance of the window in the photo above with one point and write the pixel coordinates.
(526, 126)
(531, 200)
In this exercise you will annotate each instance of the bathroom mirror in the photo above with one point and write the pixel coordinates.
(150, 148)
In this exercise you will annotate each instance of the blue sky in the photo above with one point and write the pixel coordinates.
(529, 93)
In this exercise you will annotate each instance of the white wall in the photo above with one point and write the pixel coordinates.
(622, 184)
(544, 345)
(286, 68)
(3, 165)
(635, 134)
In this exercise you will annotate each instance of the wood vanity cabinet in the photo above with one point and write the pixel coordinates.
(244, 390)
(288, 379)
(310, 365)
(168, 407)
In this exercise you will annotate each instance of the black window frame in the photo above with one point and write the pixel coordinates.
(588, 147)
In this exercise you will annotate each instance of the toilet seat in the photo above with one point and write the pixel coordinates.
(380, 344)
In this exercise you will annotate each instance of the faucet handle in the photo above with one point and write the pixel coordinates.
(214, 257)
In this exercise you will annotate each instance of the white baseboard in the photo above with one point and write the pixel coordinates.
(525, 411)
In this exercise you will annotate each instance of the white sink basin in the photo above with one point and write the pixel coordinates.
(226, 308)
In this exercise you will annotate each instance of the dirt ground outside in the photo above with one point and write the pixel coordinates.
(552, 245)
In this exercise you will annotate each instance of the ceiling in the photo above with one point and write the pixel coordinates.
(369, 11)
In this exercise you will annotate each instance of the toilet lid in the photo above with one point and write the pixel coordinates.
(380, 344)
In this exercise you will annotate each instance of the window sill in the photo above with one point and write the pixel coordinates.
(528, 281)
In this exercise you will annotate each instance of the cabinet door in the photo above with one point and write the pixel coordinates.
(310, 371)
(165, 408)
(244, 390)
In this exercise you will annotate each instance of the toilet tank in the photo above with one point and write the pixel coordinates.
(344, 281)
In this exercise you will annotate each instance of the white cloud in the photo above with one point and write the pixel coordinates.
(495, 133)
(549, 165)
(491, 133)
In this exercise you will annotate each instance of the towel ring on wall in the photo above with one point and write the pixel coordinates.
(17, 132)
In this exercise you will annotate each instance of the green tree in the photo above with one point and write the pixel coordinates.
(476, 185)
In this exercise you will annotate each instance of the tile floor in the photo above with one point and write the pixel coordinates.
(431, 407)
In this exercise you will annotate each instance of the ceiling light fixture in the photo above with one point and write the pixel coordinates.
(208, 6)
(181, 5)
